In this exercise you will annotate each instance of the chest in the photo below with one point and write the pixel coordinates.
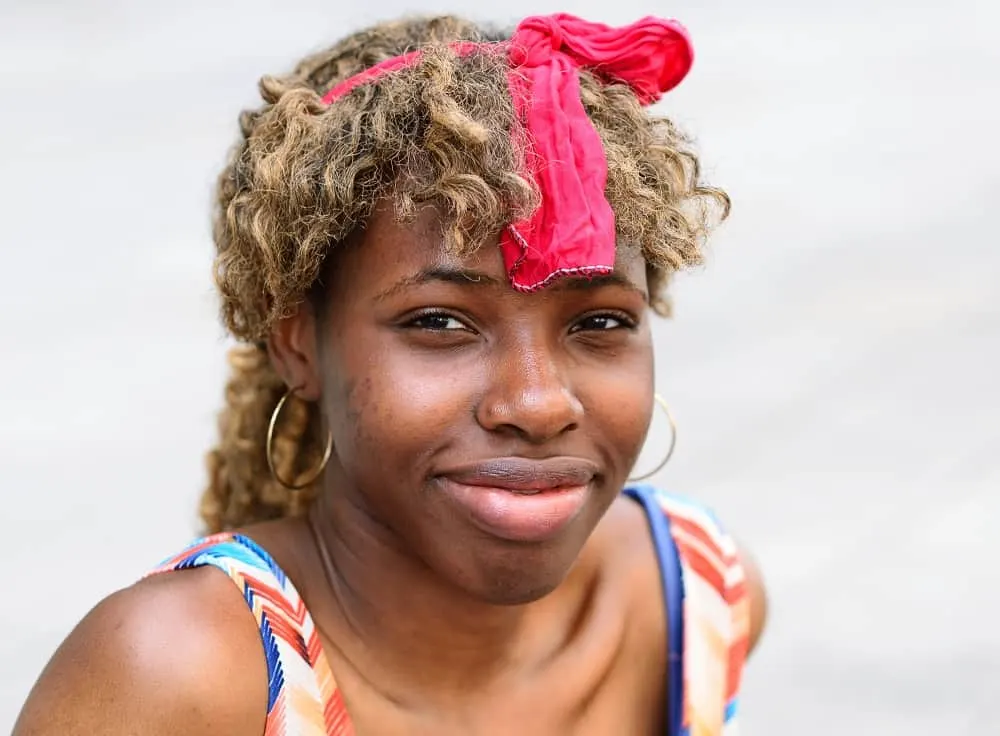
(622, 701)
(612, 680)
(608, 676)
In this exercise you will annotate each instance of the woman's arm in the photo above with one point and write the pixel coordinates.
(175, 654)
(757, 594)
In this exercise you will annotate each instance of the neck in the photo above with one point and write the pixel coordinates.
(413, 634)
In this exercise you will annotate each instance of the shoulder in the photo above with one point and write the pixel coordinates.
(174, 653)
(710, 553)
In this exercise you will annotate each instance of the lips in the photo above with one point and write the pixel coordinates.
(524, 475)
(520, 499)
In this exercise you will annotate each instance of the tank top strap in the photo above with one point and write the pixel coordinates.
(302, 695)
(708, 612)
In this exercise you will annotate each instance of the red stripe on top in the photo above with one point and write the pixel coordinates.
(701, 565)
(737, 660)
(736, 592)
(193, 551)
(277, 599)
(699, 532)
(338, 722)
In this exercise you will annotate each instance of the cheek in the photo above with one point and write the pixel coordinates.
(397, 410)
(619, 401)
(622, 412)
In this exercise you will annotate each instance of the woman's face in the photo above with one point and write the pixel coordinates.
(487, 430)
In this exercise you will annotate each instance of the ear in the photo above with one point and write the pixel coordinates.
(294, 353)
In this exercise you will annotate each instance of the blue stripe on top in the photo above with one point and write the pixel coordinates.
(673, 593)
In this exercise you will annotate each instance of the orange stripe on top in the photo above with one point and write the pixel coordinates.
(715, 616)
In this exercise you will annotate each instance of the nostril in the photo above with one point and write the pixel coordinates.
(530, 393)
(534, 416)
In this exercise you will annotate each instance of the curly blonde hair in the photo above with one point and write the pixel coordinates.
(304, 176)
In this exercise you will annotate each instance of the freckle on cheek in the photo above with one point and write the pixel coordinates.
(365, 411)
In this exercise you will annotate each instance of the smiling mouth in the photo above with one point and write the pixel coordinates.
(520, 499)
(525, 475)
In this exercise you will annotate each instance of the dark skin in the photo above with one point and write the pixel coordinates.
(422, 362)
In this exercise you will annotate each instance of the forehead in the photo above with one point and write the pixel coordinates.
(389, 250)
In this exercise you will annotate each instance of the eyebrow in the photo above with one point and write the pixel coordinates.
(469, 277)
(445, 274)
(597, 281)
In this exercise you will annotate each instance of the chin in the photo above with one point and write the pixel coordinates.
(516, 579)
(517, 592)
(504, 572)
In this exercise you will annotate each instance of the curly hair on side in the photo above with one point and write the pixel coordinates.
(305, 176)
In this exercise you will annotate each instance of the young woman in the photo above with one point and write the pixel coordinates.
(440, 247)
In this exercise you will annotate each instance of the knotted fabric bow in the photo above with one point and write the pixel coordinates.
(572, 232)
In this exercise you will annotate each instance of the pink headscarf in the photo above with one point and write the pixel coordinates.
(573, 231)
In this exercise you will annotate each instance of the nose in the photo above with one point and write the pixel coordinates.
(529, 396)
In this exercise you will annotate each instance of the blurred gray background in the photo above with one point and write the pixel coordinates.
(834, 368)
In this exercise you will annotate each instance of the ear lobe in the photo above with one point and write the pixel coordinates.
(294, 353)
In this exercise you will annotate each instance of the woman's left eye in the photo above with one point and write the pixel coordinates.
(598, 322)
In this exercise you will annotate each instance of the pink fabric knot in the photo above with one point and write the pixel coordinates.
(653, 55)
(573, 231)
(535, 41)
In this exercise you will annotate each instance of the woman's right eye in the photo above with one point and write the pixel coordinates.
(437, 322)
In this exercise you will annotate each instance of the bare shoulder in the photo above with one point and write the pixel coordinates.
(756, 593)
(629, 531)
(631, 561)
(175, 653)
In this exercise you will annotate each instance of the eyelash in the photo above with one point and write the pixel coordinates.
(415, 322)
(624, 321)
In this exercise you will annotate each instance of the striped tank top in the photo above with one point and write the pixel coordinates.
(703, 586)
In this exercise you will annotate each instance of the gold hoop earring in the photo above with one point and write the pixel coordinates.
(269, 447)
(673, 440)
